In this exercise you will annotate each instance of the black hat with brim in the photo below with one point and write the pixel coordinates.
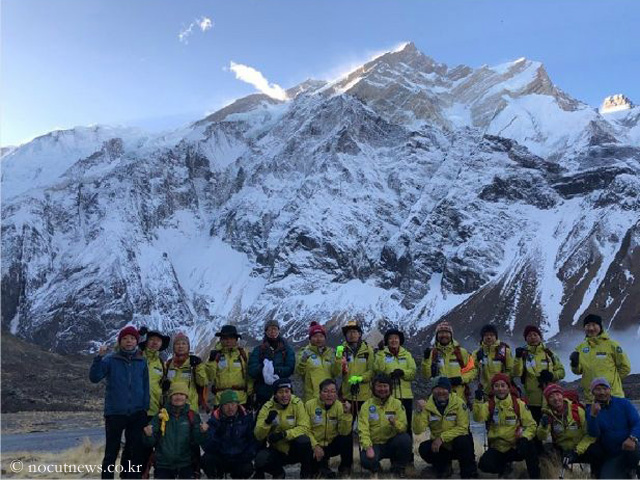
(228, 331)
(393, 331)
(166, 339)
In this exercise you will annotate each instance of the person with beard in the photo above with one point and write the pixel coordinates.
(382, 428)
(447, 417)
(510, 426)
(126, 401)
(565, 420)
(491, 357)
(537, 366)
(269, 361)
(315, 361)
(599, 356)
(284, 422)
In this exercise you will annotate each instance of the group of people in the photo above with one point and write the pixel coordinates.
(258, 425)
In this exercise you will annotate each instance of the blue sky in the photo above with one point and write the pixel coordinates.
(79, 62)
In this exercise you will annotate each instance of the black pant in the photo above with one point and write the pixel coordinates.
(132, 426)
(594, 456)
(623, 465)
(461, 449)
(217, 465)
(184, 472)
(398, 449)
(494, 461)
(407, 403)
(272, 461)
(341, 445)
(536, 413)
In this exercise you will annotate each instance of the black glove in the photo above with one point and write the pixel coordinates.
(165, 384)
(434, 370)
(214, 390)
(544, 421)
(271, 417)
(522, 444)
(427, 353)
(213, 354)
(521, 352)
(276, 437)
(569, 457)
(545, 377)
(455, 381)
(480, 355)
(194, 360)
(574, 358)
(479, 394)
(397, 373)
(354, 389)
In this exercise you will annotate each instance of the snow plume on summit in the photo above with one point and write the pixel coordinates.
(253, 77)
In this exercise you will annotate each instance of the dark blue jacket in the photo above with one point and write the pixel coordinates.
(127, 377)
(284, 362)
(614, 424)
(231, 436)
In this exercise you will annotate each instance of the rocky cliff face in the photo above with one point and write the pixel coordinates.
(404, 193)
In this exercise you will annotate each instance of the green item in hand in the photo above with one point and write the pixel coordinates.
(354, 379)
(339, 351)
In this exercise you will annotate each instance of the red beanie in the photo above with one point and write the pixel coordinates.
(181, 336)
(552, 388)
(531, 328)
(129, 330)
(501, 376)
(315, 327)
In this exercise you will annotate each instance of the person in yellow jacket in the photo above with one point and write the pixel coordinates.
(599, 356)
(537, 366)
(567, 424)
(354, 363)
(397, 362)
(185, 368)
(447, 417)
(491, 357)
(284, 423)
(382, 428)
(331, 430)
(510, 426)
(448, 359)
(315, 361)
(227, 366)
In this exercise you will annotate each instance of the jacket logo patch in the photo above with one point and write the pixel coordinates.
(586, 350)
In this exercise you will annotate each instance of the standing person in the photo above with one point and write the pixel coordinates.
(227, 367)
(354, 363)
(269, 361)
(447, 417)
(565, 420)
(599, 356)
(537, 366)
(491, 357)
(382, 427)
(175, 431)
(615, 422)
(284, 422)
(230, 446)
(510, 426)
(186, 368)
(126, 401)
(398, 363)
(448, 359)
(315, 361)
(331, 431)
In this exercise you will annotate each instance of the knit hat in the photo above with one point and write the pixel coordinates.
(179, 387)
(351, 324)
(315, 327)
(444, 327)
(129, 330)
(552, 388)
(393, 331)
(599, 381)
(166, 339)
(181, 336)
(531, 328)
(271, 323)
(229, 396)
(488, 329)
(593, 318)
(228, 331)
(442, 382)
(500, 376)
(282, 383)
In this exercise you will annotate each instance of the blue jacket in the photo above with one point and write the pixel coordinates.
(614, 424)
(127, 377)
(231, 436)
(284, 363)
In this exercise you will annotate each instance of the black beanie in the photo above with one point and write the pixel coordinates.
(488, 329)
(593, 318)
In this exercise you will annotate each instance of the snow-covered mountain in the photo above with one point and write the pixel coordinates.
(405, 192)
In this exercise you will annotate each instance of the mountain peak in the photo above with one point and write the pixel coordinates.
(615, 103)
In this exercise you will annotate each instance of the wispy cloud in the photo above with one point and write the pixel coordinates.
(204, 24)
(257, 79)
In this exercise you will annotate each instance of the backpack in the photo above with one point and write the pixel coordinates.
(550, 358)
(515, 396)
(201, 391)
(464, 368)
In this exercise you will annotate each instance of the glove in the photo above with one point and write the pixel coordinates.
(427, 353)
(213, 354)
(271, 417)
(434, 370)
(520, 352)
(480, 355)
(397, 373)
(574, 358)
(479, 394)
(545, 377)
(305, 355)
(165, 384)
(521, 445)
(214, 390)
(455, 381)
(276, 437)
(544, 421)
(194, 360)
(569, 457)
(354, 389)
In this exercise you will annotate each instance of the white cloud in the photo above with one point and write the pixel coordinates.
(255, 78)
(204, 24)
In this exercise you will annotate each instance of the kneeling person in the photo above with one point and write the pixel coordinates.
(382, 427)
(446, 415)
(284, 422)
(331, 422)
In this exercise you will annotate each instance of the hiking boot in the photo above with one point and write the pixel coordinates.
(445, 473)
